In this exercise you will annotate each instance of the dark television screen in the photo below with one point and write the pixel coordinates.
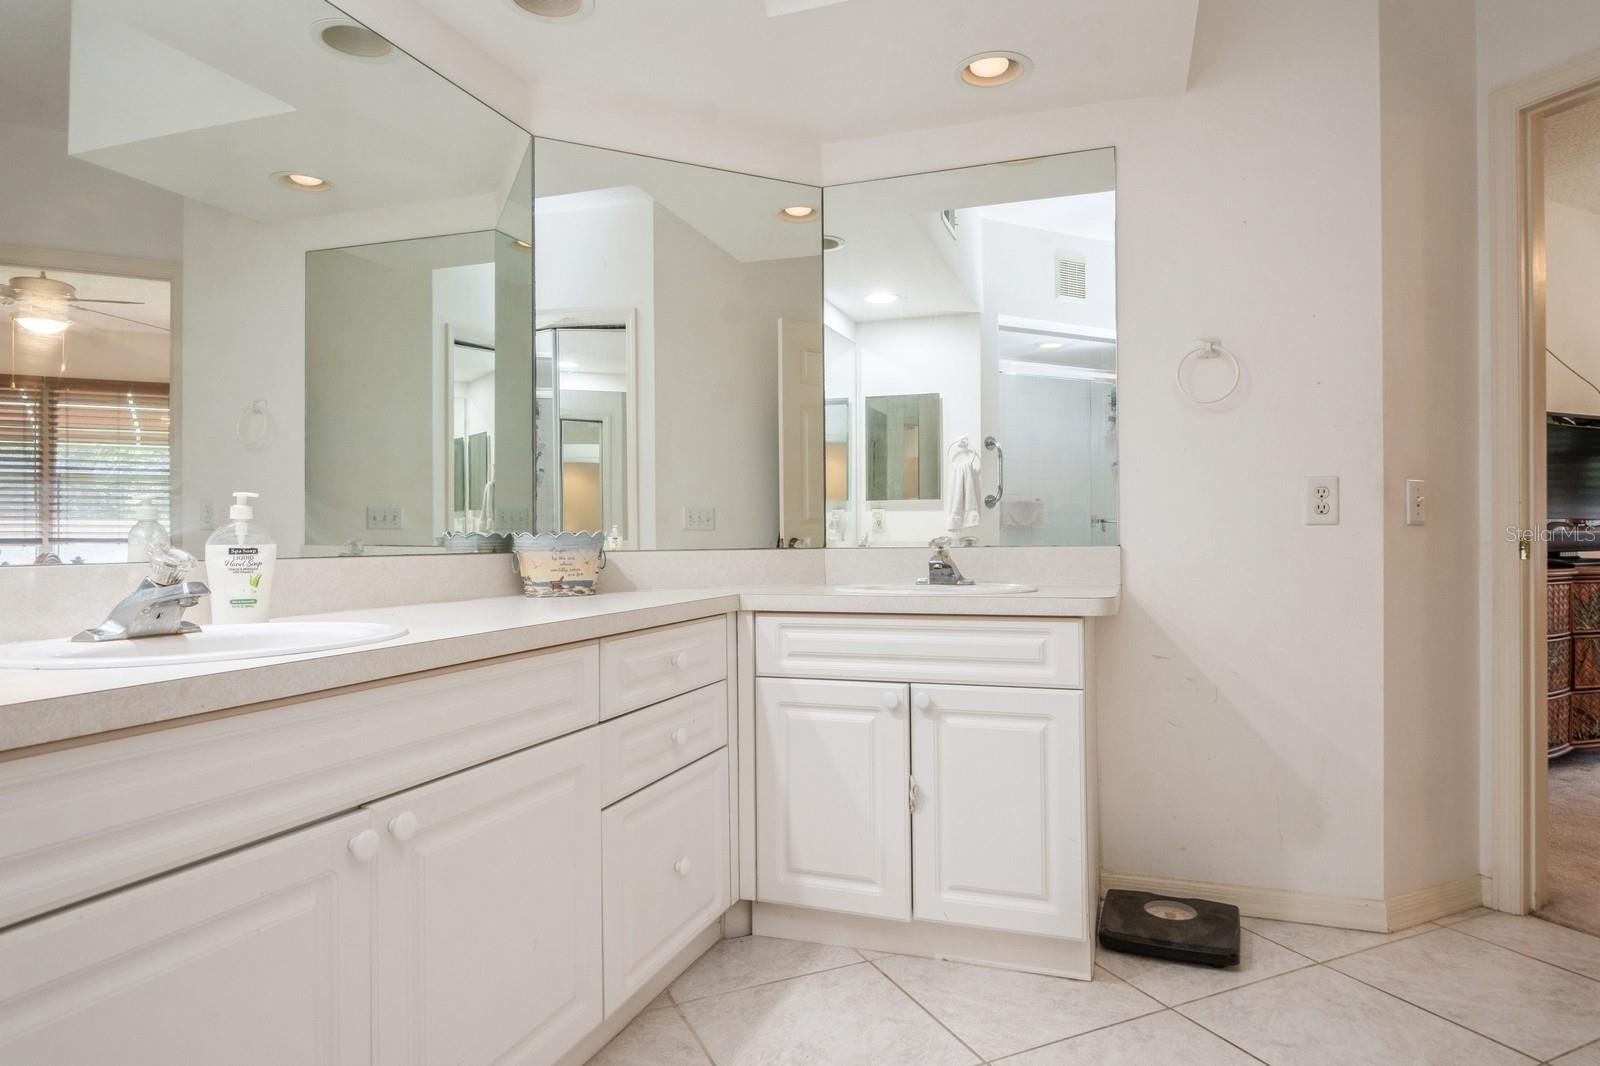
(1572, 447)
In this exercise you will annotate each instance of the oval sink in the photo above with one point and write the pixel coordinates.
(978, 588)
(250, 640)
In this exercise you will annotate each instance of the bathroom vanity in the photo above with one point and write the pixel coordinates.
(505, 857)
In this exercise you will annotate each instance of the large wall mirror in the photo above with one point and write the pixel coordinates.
(679, 352)
(251, 246)
(971, 349)
(313, 269)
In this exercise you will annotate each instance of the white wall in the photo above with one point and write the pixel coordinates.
(243, 340)
(1430, 401)
(1572, 314)
(716, 383)
(1241, 701)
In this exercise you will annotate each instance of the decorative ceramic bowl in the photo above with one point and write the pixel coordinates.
(559, 564)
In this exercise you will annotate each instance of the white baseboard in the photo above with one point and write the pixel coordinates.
(1345, 912)
(1435, 901)
(1311, 908)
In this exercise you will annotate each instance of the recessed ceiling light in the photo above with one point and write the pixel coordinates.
(554, 10)
(303, 182)
(881, 297)
(799, 213)
(42, 324)
(830, 242)
(1050, 346)
(351, 39)
(993, 68)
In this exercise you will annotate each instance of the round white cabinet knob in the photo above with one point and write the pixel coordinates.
(364, 845)
(678, 660)
(681, 867)
(679, 736)
(403, 825)
(922, 701)
(891, 701)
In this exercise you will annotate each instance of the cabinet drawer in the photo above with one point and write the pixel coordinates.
(647, 745)
(1034, 653)
(665, 861)
(84, 820)
(644, 668)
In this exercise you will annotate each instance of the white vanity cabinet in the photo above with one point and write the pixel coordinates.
(488, 910)
(508, 853)
(259, 958)
(934, 772)
(832, 765)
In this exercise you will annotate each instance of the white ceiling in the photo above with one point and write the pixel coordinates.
(738, 212)
(152, 314)
(839, 70)
(1572, 157)
(209, 98)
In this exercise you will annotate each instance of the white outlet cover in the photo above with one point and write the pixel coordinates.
(1416, 503)
(1320, 500)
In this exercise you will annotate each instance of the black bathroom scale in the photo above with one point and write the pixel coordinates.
(1166, 927)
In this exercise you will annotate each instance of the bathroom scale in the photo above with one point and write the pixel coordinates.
(1166, 927)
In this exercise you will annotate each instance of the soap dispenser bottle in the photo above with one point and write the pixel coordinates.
(240, 560)
(147, 534)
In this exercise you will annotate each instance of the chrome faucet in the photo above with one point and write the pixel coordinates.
(156, 607)
(942, 570)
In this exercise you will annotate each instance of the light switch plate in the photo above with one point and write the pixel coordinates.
(1320, 495)
(1416, 503)
(699, 519)
(385, 516)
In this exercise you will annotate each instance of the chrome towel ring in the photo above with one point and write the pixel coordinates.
(1208, 348)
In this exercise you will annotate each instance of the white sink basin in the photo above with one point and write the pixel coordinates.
(979, 588)
(250, 640)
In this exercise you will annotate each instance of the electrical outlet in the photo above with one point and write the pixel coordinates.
(699, 519)
(512, 520)
(1416, 503)
(208, 514)
(1321, 495)
(385, 517)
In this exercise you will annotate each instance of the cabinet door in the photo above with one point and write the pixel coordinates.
(832, 810)
(666, 872)
(998, 829)
(258, 958)
(488, 910)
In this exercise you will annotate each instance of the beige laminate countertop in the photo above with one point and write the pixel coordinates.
(46, 706)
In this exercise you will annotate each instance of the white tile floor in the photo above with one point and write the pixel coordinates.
(1478, 987)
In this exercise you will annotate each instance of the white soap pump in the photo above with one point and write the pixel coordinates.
(240, 561)
(146, 533)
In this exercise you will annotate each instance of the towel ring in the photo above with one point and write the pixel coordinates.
(255, 411)
(1208, 348)
(957, 446)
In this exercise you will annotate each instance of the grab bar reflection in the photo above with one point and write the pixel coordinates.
(993, 499)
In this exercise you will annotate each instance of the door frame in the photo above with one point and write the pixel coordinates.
(1514, 348)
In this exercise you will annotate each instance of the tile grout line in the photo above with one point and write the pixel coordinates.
(687, 1024)
(1125, 1021)
(762, 984)
(924, 1009)
(1345, 955)
(1436, 1014)
(1524, 954)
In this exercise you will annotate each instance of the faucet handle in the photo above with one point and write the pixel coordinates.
(169, 565)
(940, 542)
